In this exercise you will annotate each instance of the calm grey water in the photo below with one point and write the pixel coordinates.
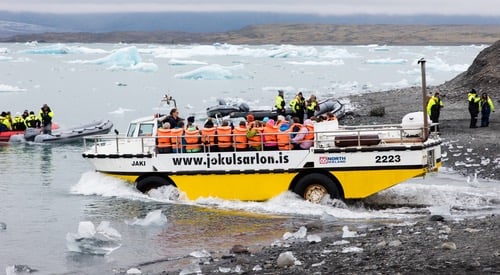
(47, 190)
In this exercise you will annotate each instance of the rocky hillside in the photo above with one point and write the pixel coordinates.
(482, 75)
(297, 34)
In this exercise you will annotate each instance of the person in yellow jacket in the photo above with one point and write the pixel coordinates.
(32, 121)
(18, 123)
(280, 103)
(5, 122)
(298, 105)
(486, 106)
(311, 106)
(46, 116)
(434, 109)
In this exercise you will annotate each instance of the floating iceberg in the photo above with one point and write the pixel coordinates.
(125, 59)
(8, 88)
(214, 72)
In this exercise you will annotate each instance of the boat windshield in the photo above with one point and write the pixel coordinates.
(131, 130)
(146, 129)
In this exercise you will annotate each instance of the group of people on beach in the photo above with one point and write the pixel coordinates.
(279, 133)
(21, 122)
(477, 104)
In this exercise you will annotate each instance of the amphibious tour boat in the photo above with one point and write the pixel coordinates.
(344, 162)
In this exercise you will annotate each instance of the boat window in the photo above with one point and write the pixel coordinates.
(146, 129)
(131, 130)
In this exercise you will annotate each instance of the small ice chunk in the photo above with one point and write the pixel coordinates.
(200, 254)
(153, 218)
(300, 234)
(348, 234)
(313, 238)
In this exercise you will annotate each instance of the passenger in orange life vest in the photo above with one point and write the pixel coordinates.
(295, 127)
(192, 137)
(164, 139)
(279, 120)
(283, 136)
(269, 136)
(305, 137)
(254, 136)
(250, 120)
(240, 136)
(224, 140)
(177, 139)
(190, 122)
(209, 136)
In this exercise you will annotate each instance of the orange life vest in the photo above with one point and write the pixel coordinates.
(164, 139)
(176, 138)
(269, 134)
(208, 136)
(240, 137)
(256, 141)
(295, 125)
(284, 140)
(224, 136)
(192, 138)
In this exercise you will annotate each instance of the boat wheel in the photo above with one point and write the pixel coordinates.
(314, 187)
(315, 193)
(151, 182)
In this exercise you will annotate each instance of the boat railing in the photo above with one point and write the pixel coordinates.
(344, 136)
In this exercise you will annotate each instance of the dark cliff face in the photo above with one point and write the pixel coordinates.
(482, 75)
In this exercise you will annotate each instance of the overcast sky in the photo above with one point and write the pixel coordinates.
(327, 7)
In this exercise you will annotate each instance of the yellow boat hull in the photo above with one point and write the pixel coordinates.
(355, 184)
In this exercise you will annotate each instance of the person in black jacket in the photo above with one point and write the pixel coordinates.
(473, 99)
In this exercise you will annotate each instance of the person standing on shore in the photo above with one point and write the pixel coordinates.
(486, 105)
(473, 99)
(433, 109)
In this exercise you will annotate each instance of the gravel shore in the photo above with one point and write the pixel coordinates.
(430, 245)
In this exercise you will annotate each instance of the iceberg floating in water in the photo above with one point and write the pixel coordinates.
(125, 59)
(94, 241)
(8, 88)
(214, 72)
(386, 61)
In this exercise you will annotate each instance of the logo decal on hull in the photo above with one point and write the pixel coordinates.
(332, 159)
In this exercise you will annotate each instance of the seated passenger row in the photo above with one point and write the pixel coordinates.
(254, 135)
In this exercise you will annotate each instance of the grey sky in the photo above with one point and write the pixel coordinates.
(327, 7)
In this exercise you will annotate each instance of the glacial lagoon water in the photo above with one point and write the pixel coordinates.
(47, 191)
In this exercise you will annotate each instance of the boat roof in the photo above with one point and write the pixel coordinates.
(150, 118)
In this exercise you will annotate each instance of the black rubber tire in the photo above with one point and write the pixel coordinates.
(151, 182)
(314, 187)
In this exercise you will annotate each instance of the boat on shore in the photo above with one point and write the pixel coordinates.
(344, 162)
(329, 105)
(72, 134)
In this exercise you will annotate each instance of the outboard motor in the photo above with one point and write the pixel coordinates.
(30, 134)
(244, 107)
